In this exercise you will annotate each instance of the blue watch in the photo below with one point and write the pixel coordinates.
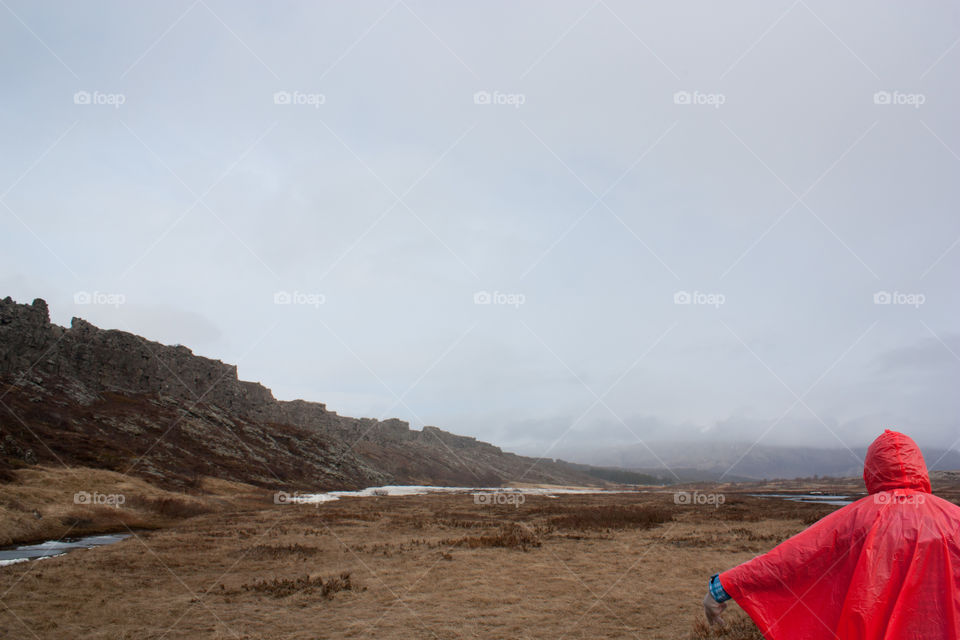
(716, 589)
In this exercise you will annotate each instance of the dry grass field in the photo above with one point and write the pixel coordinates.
(625, 565)
(47, 503)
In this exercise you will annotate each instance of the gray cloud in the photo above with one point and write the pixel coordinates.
(791, 191)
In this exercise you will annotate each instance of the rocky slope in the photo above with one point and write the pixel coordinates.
(84, 396)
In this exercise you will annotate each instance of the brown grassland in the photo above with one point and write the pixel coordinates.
(228, 563)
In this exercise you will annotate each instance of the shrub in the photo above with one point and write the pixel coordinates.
(169, 506)
(813, 516)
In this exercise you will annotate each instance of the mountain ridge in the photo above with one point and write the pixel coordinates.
(112, 399)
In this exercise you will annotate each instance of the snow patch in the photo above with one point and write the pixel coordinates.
(419, 490)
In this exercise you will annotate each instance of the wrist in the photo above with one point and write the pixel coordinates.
(715, 589)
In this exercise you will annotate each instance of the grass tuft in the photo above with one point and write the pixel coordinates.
(736, 626)
(612, 517)
(510, 536)
(285, 587)
(276, 552)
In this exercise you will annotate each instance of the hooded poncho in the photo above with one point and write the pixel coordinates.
(886, 567)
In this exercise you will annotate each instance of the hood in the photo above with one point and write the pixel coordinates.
(894, 461)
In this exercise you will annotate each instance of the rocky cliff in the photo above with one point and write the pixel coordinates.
(105, 398)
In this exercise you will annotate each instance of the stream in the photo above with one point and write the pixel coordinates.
(814, 498)
(53, 548)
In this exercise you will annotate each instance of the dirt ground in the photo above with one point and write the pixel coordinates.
(627, 565)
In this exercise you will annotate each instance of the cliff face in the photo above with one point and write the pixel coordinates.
(98, 390)
(118, 361)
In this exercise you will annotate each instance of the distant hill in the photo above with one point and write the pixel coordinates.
(705, 461)
(84, 396)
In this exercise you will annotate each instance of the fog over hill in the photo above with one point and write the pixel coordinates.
(741, 460)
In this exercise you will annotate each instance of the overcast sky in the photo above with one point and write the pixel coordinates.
(326, 193)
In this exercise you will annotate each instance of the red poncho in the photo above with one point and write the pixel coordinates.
(886, 567)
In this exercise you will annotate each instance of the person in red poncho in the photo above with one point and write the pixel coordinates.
(886, 567)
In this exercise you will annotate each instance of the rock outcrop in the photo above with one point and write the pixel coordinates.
(106, 392)
(110, 360)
